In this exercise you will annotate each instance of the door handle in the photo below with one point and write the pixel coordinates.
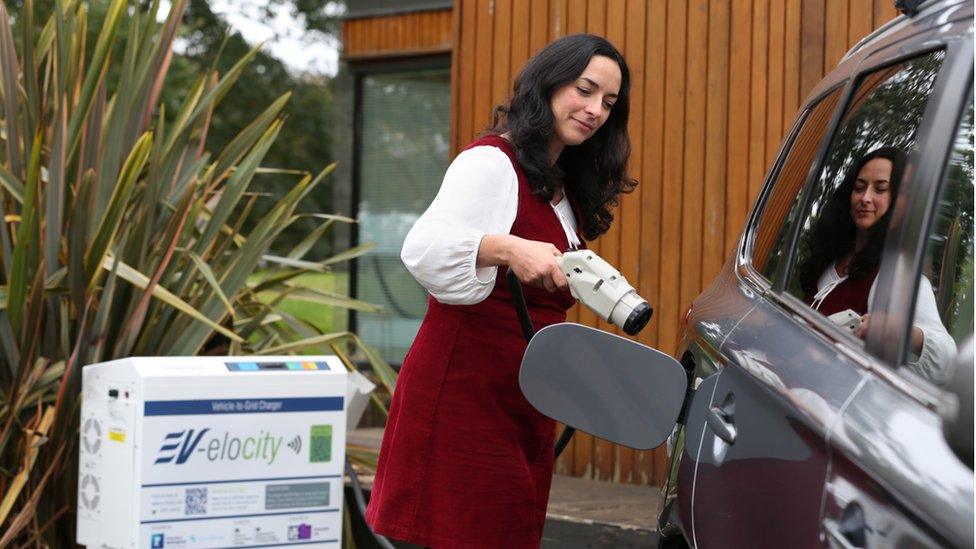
(848, 532)
(720, 419)
(721, 424)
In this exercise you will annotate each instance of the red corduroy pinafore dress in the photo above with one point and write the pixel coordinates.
(466, 461)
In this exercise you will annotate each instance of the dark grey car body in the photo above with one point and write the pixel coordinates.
(796, 435)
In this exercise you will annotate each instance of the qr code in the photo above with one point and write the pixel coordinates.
(196, 501)
(321, 449)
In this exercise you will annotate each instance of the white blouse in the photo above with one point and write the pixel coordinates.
(938, 347)
(479, 196)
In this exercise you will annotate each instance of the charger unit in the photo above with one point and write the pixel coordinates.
(206, 452)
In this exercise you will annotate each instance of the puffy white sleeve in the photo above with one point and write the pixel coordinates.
(938, 348)
(479, 196)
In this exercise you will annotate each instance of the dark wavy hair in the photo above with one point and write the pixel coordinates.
(834, 233)
(595, 171)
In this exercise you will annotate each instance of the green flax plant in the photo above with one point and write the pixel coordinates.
(121, 235)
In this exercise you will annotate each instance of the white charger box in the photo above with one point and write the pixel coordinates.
(206, 452)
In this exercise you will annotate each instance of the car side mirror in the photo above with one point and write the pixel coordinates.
(603, 384)
(956, 405)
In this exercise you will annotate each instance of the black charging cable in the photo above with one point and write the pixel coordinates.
(357, 491)
(518, 299)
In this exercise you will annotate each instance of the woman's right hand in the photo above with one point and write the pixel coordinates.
(533, 262)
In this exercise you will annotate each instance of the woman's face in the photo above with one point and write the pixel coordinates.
(871, 196)
(582, 106)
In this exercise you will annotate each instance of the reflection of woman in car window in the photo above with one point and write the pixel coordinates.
(845, 254)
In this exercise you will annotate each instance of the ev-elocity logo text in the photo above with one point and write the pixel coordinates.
(178, 446)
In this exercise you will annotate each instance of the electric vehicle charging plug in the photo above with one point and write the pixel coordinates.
(604, 290)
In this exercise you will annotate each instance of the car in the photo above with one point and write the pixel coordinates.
(799, 429)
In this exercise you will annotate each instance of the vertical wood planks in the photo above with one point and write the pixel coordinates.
(483, 54)
(576, 17)
(859, 19)
(716, 128)
(453, 138)
(835, 38)
(596, 17)
(502, 51)
(557, 19)
(521, 17)
(694, 155)
(737, 182)
(757, 110)
(652, 164)
(775, 79)
(674, 129)
(466, 73)
(652, 168)
(791, 63)
(811, 45)
(692, 175)
(884, 11)
(538, 26)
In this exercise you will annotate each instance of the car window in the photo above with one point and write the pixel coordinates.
(845, 221)
(943, 316)
(780, 210)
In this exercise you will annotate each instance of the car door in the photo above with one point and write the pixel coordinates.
(894, 480)
(747, 447)
(789, 371)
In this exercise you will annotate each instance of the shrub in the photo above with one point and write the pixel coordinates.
(121, 236)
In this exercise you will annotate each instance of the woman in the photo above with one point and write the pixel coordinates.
(845, 255)
(465, 460)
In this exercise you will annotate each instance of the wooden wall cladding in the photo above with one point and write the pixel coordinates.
(408, 34)
(716, 85)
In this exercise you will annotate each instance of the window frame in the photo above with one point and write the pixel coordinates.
(875, 353)
(820, 322)
(860, 75)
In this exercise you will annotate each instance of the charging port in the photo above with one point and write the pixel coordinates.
(113, 393)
